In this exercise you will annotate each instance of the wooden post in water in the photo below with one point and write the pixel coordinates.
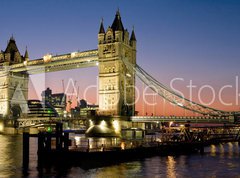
(25, 150)
(66, 141)
(88, 148)
(48, 141)
(40, 147)
(202, 149)
(59, 131)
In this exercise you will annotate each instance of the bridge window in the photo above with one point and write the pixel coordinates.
(105, 49)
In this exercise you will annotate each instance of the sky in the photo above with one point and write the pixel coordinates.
(186, 40)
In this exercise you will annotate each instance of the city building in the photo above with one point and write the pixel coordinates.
(36, 108)
(87, 109)
(57, 100)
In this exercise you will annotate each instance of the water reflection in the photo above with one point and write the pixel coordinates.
(221, 150)
(213, 150)
(218, 161)
(171, 167)
(230, 150)
(236, 148)
(10, 156)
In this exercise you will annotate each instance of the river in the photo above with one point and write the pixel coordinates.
(218, 161)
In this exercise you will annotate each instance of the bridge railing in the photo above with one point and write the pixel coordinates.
(197, 119)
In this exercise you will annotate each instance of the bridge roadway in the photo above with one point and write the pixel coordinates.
(51, 63)
(184, 119)
(31, 122)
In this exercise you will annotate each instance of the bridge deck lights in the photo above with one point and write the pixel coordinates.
(73, 54)
(180, 104)
(91, 122)
(47, 58)
(103, 123)
(116, 126)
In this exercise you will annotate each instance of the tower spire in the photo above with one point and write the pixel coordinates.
(118, 12)
(101, 30)
(26, 56)
(133, 37)
(117, 23)
(12, 38)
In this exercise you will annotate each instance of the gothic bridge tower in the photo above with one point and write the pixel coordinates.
(13, 86)
(116, 83)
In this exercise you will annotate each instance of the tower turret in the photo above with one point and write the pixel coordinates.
(101, 33)
(117, 27)
(133, 40)
(26, 56)
(12, 54)
(101, 30)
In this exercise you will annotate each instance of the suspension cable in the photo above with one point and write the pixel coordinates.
(171, 95)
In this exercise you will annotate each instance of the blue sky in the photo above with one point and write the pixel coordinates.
(190, 39)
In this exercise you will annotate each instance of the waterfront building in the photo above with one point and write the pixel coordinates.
(87, 109)
(40, 109)
(57, 100)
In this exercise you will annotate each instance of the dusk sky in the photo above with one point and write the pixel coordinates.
(189, 39)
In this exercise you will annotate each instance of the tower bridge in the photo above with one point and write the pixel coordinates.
(115, 58)
(51, 63)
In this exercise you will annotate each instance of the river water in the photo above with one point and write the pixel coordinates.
(217, 161)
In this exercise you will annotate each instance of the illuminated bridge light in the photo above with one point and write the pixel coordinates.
(180, 104)
(73, 54)
(103, 123)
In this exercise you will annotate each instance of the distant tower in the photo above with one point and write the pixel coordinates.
(12, 54)
(13, 86)
(47, 96)
(26, 56)
(116, 83)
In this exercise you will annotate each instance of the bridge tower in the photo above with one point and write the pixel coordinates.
(116, 83)
(13, 86)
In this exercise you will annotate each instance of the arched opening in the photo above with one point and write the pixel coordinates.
(16, 111)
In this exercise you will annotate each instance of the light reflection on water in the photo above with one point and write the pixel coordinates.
(171, 167)
(217, 161)
(10, 156)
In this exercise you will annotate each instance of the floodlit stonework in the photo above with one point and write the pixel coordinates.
(13, 86)
(116, 83)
